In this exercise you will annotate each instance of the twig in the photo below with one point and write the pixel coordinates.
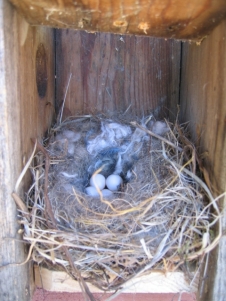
(25, 169)
(20, 204)
(81, 281)
(48, 208)
(62, 109)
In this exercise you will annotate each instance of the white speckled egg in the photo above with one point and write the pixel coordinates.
(114, 182)
(106, 193)
(98, 180)
(91, 191)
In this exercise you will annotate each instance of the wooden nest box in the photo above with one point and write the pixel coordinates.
(149, 56)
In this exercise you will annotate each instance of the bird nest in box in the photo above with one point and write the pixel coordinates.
(149, 210)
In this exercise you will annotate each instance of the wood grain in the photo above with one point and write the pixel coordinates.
(163, 18)
(111, 73)
(23, 115)
(155, 282)
(203, 104)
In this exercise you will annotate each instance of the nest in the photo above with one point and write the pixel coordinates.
(163, 216)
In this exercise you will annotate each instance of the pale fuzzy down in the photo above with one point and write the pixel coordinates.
(71, 135)
(111, 135)
(159, 127)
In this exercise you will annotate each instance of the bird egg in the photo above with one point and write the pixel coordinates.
(106, 193)
(114, 182)
(91, 191)
(97, 181)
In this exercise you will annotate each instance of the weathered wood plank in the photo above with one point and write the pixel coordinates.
(203, 104)
(155, 282)
(23, 115)
(112, 73)
(162, 18)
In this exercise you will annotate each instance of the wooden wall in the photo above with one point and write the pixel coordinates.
(203, 104)
(112, 72)
(26, 57)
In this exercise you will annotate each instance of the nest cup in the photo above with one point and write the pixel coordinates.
(160, 216)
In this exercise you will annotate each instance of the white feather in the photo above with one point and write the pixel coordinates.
(71, 135)
(159, 127)
(121, 131)
(111, 135)
(67, 175)
(118, 167)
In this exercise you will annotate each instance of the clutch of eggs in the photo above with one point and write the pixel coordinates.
(98, 182)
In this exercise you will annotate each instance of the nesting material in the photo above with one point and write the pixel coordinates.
(156, 213)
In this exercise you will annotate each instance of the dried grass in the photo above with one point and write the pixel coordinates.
(160, 220)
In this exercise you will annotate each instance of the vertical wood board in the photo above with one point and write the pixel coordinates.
(23, 115)
(111, 73)
(203, 104)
